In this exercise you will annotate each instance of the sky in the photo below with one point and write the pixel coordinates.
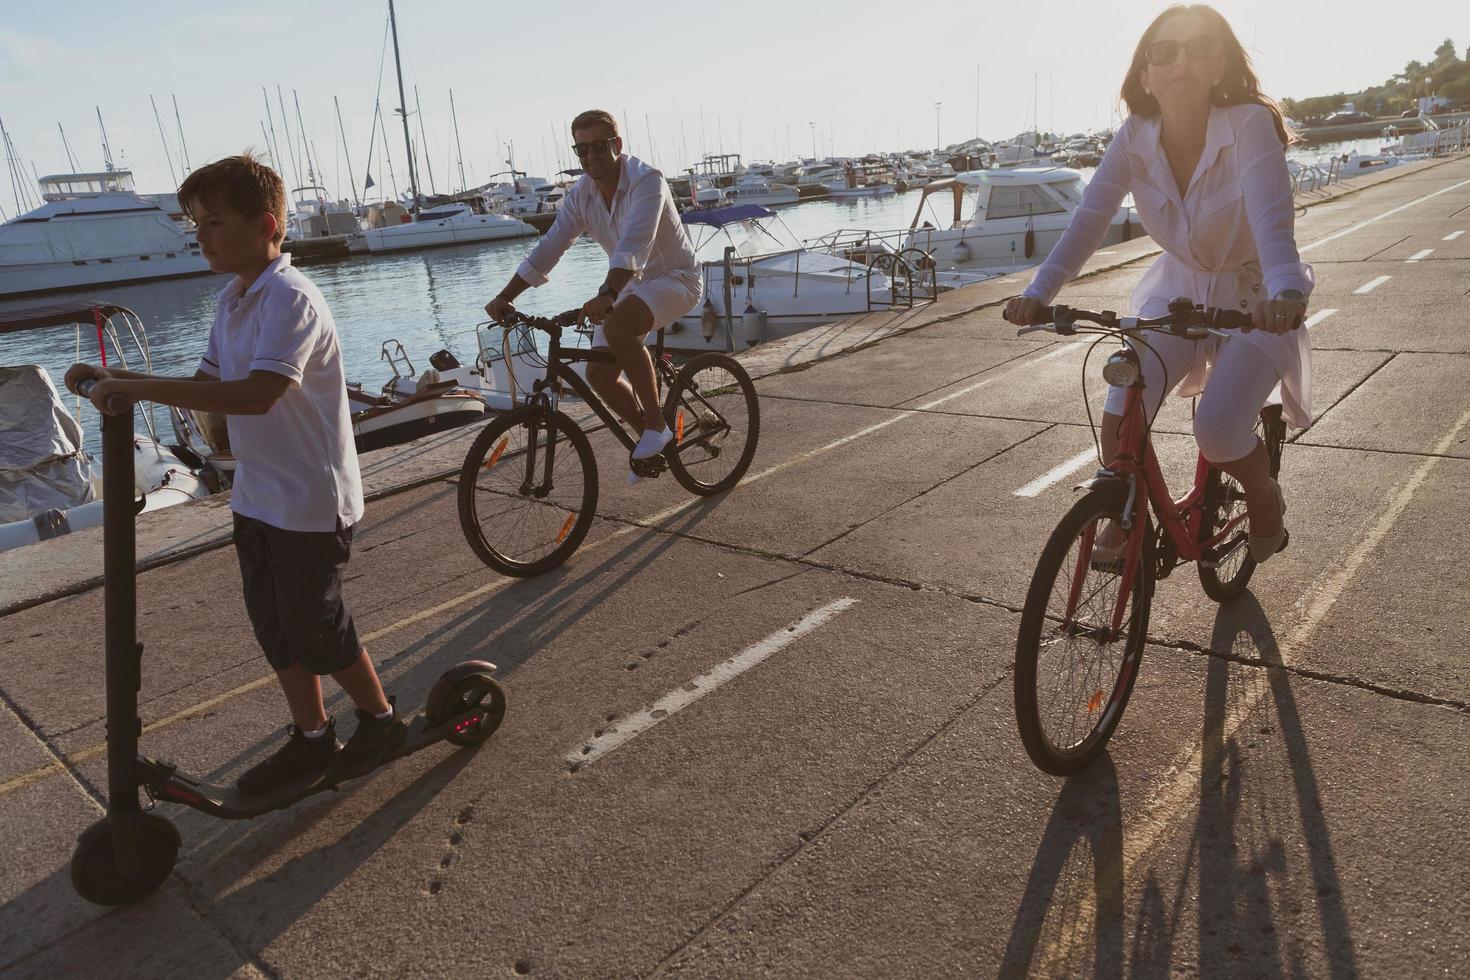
(766, 80)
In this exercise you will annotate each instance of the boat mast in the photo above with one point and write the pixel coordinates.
(70, 159)
(272, 144)
(106, 149)
(290, 144)
(413, 183)
(343, 134)
(164, 139)
(183, 147)
(418, 107)
(463, 186)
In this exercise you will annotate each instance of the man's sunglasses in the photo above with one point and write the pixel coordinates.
(598, 147)
(1198, 48)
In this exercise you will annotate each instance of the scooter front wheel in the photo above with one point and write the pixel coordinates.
(94, 867)
(464, 688)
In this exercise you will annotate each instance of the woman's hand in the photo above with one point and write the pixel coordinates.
(1024, 310)
(1278, 315)
(78, 373)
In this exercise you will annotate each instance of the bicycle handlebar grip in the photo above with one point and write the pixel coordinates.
(117, 404)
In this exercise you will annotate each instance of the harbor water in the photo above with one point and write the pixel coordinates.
(425, 300)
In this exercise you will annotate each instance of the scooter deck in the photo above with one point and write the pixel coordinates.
(164, 781)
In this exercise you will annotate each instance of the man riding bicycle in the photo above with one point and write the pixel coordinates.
(624, 205)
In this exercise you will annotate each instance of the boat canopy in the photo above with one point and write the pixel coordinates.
(33, 316)
(1013, 176)
(719, 217)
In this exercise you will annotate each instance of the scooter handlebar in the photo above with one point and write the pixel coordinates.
(117, 404)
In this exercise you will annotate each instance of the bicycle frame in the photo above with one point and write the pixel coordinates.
(1181, 519)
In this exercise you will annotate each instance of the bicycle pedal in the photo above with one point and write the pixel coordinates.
(648, 468)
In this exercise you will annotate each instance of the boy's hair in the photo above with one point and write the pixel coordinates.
(242, 183)
(595, 117)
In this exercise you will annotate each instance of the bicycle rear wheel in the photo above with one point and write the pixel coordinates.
(1223, 502)
(717, 423)
(1074, 672)
(527, 491)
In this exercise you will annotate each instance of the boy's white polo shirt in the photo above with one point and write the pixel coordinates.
(296, 465)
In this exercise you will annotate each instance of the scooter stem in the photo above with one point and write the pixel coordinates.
(119, 550)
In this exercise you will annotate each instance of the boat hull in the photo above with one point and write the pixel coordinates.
(431, 234)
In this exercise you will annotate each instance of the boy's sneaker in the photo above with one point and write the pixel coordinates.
(300, 755)
(374, 739)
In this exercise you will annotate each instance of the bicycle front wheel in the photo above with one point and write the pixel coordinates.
(1074, 669)
(527, 491)
(717, 422)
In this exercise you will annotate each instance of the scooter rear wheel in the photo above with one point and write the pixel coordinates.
(94, 871)
(461, 689)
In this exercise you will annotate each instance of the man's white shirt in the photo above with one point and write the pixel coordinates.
(640, 231)
(296, 465)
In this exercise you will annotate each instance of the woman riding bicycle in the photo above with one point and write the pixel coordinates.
(1203, 153)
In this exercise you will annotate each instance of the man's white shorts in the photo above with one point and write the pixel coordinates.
(668, 298)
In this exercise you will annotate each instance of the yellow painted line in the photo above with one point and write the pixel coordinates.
(1147, 832)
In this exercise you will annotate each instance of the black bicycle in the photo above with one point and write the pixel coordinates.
(528, 487)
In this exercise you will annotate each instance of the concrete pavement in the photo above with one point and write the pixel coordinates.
(1286, 793)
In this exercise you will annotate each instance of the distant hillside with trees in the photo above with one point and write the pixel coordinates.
(1445, 75)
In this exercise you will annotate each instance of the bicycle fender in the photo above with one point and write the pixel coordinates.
(1102, 478)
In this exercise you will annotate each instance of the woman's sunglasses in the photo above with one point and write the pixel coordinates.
(1198, 48)
(598, 147)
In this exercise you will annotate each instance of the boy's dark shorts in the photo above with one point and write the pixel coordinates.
(293, 594)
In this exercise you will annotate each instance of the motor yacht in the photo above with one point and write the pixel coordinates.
(94, 229)
(761, 283)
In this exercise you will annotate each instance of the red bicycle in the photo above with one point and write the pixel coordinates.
(1086, 615)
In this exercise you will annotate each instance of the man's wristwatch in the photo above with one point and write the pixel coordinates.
(1295, 295)
(606, 290)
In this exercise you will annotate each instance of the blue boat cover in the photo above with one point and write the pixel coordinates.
(715, 217)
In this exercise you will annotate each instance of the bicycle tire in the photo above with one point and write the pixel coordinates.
(569, 518)
(1053, 566)
(689, 459)
(1222, 500)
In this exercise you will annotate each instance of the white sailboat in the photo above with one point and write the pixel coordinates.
(449, 224)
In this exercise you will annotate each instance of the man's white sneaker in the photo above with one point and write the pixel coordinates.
(652, 442)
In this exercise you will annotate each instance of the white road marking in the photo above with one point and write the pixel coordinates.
(1420, 255)
(1371, 285)
(1057, 473)
(1392, 211)
(1453, 235)
(1179, 795)
(1318, 317)
(626, 729)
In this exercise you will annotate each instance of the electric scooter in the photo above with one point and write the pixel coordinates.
(128, 853)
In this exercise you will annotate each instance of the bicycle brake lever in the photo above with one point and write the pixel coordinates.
(1033, 328)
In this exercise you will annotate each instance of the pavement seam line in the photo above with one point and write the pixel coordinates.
(1363, 224)
(1162, 811)
(1322, 677)
(1045, 427)
(1295, 437)
(806, 839)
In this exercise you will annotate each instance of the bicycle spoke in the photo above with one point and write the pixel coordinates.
(1079, 657)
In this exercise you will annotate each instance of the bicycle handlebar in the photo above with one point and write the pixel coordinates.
(117, 404)
(567, 318)
(1184, 318)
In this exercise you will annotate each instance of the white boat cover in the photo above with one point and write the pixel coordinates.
(42, 465)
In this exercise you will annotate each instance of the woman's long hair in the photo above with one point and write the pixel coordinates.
(1237, 86)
